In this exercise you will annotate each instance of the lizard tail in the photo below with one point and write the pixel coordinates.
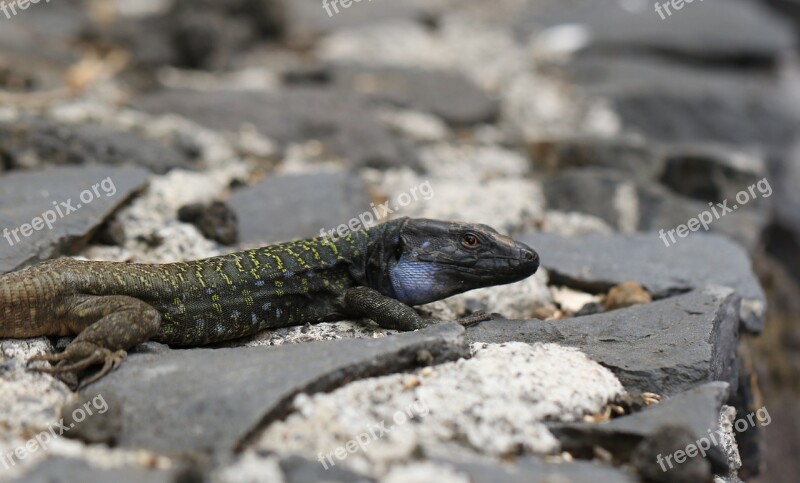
(16, 319)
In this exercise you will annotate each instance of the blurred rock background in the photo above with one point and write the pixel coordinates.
(233, 123)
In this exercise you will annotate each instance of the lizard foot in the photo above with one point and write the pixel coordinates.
(110, 361)
(474, 319)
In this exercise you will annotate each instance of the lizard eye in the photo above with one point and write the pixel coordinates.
(398, 251)
(470, 241)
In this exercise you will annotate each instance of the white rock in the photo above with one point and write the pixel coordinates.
(250, 469)
(416, 125)
(424, 473)
(492, 405)
(572, 300)
(519, 300)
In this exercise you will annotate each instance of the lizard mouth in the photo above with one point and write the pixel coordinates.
(525, 261)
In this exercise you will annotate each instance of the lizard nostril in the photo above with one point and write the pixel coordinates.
(528, 256)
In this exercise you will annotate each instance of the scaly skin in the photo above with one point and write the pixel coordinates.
(376, 273)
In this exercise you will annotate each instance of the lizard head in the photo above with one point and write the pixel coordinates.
(430, 260)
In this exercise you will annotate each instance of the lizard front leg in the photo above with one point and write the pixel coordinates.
(107, 326)
(390, 313)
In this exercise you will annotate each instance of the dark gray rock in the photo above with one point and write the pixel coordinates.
(300, 470)
(339, 120)
(28, 196)
(37, 45)
(591, 191)
(674, 102)
(208, 401)
(629, 204)
(307, 20)
(641, 159)
(662, 209)
(267, 17)
(449, 95)
(665, 347)
(789, 9)
(282, 208)
(72, 470)
(734, 32)
(598, 262)
(649, 457)
(195, 34)
(532, 469)
(709, 172)
(54, 20)
(36, 143)
(216, 221)
(43, 31)
(660, 429)
(94, 418)
(783, 237)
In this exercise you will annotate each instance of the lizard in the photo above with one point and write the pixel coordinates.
(377, 273)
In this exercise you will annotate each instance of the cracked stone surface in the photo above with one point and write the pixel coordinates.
(597, 262)
(664, 347)
(26, 196)
(473, 408)
(165, 389)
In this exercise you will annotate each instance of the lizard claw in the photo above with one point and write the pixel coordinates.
(111, 360)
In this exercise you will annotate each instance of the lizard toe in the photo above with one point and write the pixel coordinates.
(49, 357)
(112, 360)
(79, 365)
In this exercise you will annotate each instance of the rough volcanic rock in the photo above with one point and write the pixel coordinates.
(70, 470)
(42, 33)
(449, 95)
(36, 143)
(300, 470)
(710, 172)
(735, 32)
(606, 194)
(209, 400)
(194, 34)
(665, 347)
(643, 160)
(697, 410)
(216, 221)
(530, 468)
(632, 205)
(673, 102)
(465, 409)
(598, 262)
(26, 198)
(339, 120)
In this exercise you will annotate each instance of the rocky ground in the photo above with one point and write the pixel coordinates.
(174, 130)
